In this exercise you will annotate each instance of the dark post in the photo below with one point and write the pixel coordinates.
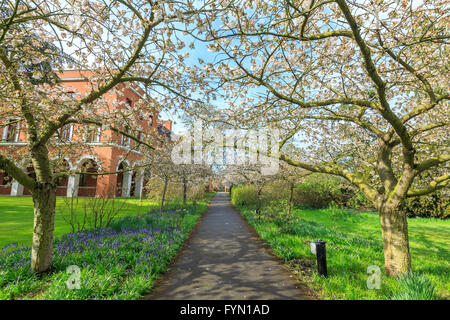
(321, 258)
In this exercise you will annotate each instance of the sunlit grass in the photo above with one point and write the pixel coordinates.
(353, 244)
(16, 216)
(119, 262)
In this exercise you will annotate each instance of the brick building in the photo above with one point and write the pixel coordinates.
(109, 151)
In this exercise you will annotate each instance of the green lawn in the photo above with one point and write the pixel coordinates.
(121, 262)
(353, 244)
(16, 216)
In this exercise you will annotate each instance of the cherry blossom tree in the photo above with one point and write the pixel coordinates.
(193, 176)
(291, 176)
(360, 85)
(167, 173)
(120, 42)
(163, 169)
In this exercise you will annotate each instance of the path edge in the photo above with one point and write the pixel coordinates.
(268, 249)
(162, 277)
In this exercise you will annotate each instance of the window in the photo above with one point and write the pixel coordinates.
(83, 178)
(93, 134)
(125, 141)
(150, 121)
(87, 179)
(139, 136)
(11, 132)
(129, 103)
(66, 132)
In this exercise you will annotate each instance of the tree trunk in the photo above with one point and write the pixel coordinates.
(258, 206)
(184, 191)
(44, 222)
(291, 196)
(394, 229)
(166, 181)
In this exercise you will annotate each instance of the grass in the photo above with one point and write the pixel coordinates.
(353, 244)
(16, 216)
(415, 287)
(119, 262)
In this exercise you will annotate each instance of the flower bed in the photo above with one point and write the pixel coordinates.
(120, 262)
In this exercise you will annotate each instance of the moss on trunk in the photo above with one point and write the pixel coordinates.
(394, 228)
(44, 200)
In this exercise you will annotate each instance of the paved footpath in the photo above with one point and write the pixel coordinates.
(225, 259)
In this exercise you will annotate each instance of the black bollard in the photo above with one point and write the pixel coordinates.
(321, 258)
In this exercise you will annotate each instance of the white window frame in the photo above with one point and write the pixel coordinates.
(97, 135)
(125, 141)
(6, 131)
(70, 133)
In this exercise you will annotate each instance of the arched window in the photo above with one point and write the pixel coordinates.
(87, 184)
(62, 182)
(83, 178)
(86, 178)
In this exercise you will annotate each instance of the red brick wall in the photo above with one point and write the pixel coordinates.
(108, 156)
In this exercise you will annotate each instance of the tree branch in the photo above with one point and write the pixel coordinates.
(17, 173)
(438, 183)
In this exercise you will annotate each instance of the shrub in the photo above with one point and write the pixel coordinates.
(155, 188)
(319, 191)
(358, 201)
(196, 193)
(275, 190)
(415, 286)
(91, 213)
(275, 211)
(244, 196)
(431, 206)
(316, 191)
